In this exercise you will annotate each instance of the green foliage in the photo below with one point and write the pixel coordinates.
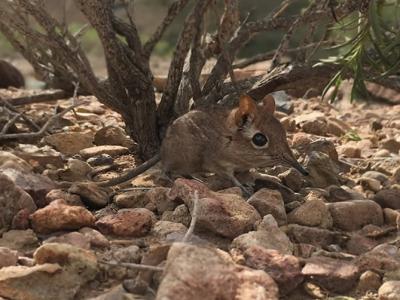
(371, 46)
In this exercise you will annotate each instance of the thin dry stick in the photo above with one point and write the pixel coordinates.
(13, 111)
(133, 266)
(10, 123)
(189, 232)
(42, 130)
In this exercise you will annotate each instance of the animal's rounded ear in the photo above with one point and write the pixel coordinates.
(246, 110)
(269, 104)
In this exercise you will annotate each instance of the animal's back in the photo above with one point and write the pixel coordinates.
(10, 76)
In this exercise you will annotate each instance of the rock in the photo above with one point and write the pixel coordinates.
(288, 123)
(72, 238)
(44, 282)
(228, 215)
(338, 194)
(376, 125)
(268, 236)
(358, 244)
(267, 201)
(21, 240)
(292, 178)
(382, 153)
(116, 293)
(106, 149)
(390, 290)
(311, 235)
(130, 254)
(369, 281)
(284, 269)
(135, 222)
(312, 213)
(34, 184)
(349, 150)
(8, 257)
(317, 127)
(379, 258)
(59, 216)
(76, 170)
(11, 161)
(159, 197)
(90, 193)
(70, 142)
(307, 145)
(96, 238)
(69, 199)
(323, 171)
(337, 127)
(21, 219)
(391, 144)
(382, 178)
(12, 200)
(111, 135)
(181, 214)
(388, 198)
(353, 215)
(164, 228)
(195, 273)
(370, 184)
(132, 199)
(332, 274)
(391, 216)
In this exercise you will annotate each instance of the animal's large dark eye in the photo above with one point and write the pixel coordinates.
(259, 140)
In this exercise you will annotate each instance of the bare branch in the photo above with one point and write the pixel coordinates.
(189, 232)
(13, 111)
(174, 9)
(38, 98)
(133, 266)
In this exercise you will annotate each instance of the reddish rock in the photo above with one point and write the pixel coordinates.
(21, 219)
(106, 149)
(268, 201)
(72, 238)
(96, 238)
(13, 200)
(284, 269)
(111, 135)
(196, 273)
(228, 215)
(135, 222)
(70, 199)
(70, 142)
(312, 213)
(332, 274)
(353, 215)
(311, 235)
(160, 198)
(90, 193)
(60, 216)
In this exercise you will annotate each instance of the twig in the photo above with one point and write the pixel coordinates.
(189, 232)
(174, 9)
(133, 266)
(44, 128)
(44, 97)
(12, 111)
(10, 123)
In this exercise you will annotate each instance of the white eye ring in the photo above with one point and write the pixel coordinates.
(259, 141)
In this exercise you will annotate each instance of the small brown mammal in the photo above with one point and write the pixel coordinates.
(10, 76)
(222, 141)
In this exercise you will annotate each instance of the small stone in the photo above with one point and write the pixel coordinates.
(130, 254)
(336, 127)
(268, 236)
(292, 178)
(11, 161)
(391, 216)
(382, 153)
(369, 281)
(59, 216)
(159, 197)
(376, 125)
(317, 127)
(132, 199)
(382, 178)
(136, 222)
(288, 123)
(353, 215)
(90, 193)
(21, 220)
(12, 200)
(311, 235)
(332, 274)
(164, 228)
(338, 194)
(370, 184)
(388, 198)
(391, 144)
(72, 238)
(284, 269)
(181, 214)
(268, 201)
(111, 135)
(20, 240)
(70, 199)
(209, 273)
(70, 143)
(102, 159)
(96, 238)
(322, 170)
(390, 290)
(358, 244)
(312, 213)
(350, 151)
(8, 257)
(227, 215)
(111, 150)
